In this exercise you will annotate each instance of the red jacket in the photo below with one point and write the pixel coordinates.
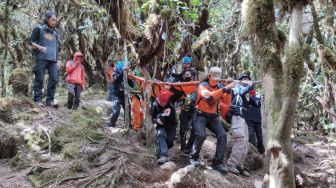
(75, 71)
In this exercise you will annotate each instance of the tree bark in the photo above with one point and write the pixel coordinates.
(280, 82)
(281, 163)
(316, 26)
(3, 63)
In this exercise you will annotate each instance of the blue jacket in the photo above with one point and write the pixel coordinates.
(46, 37)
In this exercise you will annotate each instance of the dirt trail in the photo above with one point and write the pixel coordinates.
(97, 157)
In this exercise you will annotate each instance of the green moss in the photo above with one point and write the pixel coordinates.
(293, 70)
(166, 12)
(258, 17)
(77, 166)
(71, 151)
(19, 81)
(18, 162)
(6, 110)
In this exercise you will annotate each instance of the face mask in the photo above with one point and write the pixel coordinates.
(187, 79)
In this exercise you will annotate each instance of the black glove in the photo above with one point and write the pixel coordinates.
(225, 90)
(209, 98)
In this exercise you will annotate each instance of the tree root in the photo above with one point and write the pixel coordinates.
(131, 153)
(73, 178)
(49, 140)
(106, 170)
(106, 161)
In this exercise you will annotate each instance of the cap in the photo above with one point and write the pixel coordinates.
(243, 75)
(215, 73)
(186, 59)
(163, 97)
(48, 14)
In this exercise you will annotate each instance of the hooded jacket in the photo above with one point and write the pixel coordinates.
(75, 71)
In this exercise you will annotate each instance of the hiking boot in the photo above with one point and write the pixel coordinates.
(233, 170)
(221, 168)
(195, 162)
(243, 171)
(162, 160)
(39, 103)
(52, 104)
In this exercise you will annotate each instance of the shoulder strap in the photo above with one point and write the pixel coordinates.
(199, 100)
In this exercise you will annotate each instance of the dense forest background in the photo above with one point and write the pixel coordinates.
(262, 37)
(163, 32)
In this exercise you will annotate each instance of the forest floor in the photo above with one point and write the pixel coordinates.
(66, 148)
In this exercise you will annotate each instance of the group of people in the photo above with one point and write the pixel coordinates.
(198, 110)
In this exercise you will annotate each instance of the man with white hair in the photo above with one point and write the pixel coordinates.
(209, 93)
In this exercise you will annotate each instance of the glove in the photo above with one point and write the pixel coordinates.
(209, 98)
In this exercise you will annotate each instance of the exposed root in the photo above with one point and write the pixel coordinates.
(107, 160)
(49, 140)
(104, 171)
(72, 178)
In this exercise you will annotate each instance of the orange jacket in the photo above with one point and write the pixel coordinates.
(110, 73)
(75, 72)
(204, 90)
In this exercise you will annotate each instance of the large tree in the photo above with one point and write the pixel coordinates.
(281, 73)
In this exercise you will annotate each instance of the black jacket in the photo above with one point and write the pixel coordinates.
(254, 112)
(157, 113)
(118, 83)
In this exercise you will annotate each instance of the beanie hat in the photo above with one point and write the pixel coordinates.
(186, 59)
(120, 65)
(253, 92)
(163, 97)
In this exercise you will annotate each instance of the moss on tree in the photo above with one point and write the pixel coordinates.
(293, 70)
(258, 16)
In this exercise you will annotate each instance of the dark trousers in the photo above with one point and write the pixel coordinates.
(255, 131)
(165, 138)
(74, 91)
(39, 71)
(202, 121)
(117, 102)
(185, 120)
(110, 91)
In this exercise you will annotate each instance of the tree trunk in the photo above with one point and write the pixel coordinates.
(2, 65)
(280, 82)
(281, 163)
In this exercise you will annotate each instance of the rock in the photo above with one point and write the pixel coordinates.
(186, 177)
(257, 184)
(6, 110)
(19, 81)
(168, 166)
